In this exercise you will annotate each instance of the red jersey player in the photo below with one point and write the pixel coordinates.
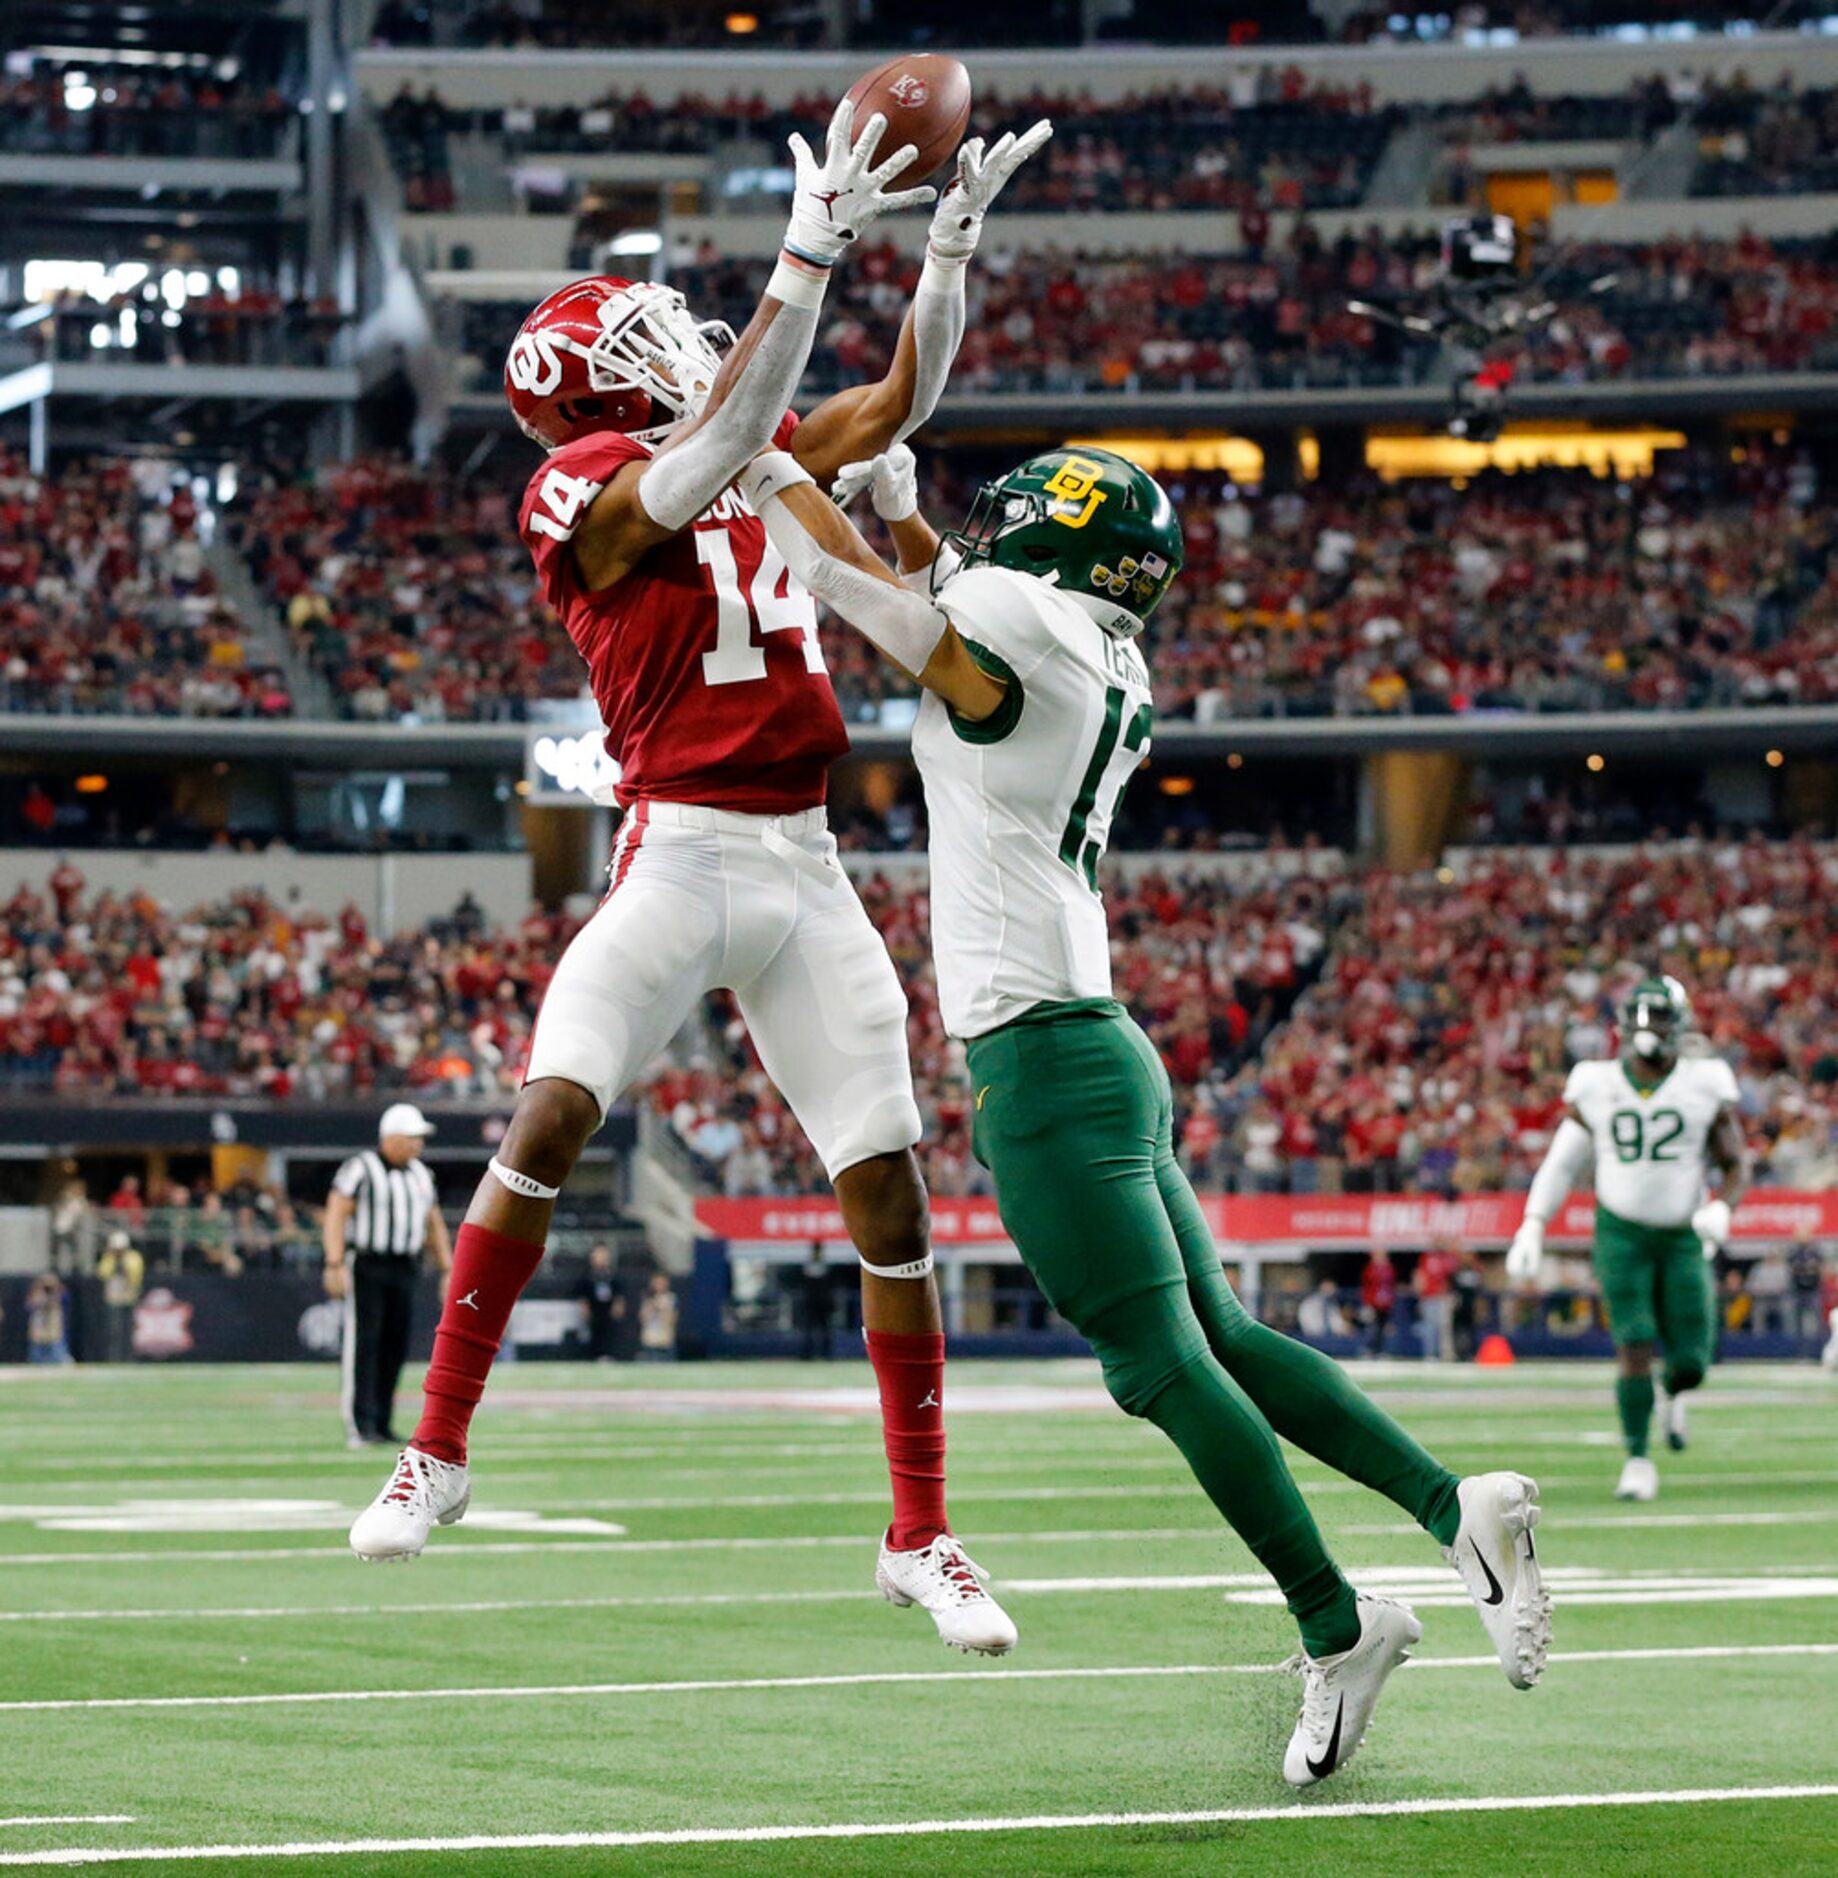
(703, 654)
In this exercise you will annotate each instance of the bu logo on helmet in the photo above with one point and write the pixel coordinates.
(908, 92)
(533, 365)
(1075, 484)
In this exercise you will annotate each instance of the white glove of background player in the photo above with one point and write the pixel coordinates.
(1526, 1253)
(892, 478)
(1711, 1223)
(957, 222)
(834, 200)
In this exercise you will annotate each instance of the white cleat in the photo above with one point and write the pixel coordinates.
(421, 1494)
(939, 1578)
(1340, 1692)
(1498, 1563)
(1639, 1480)
(1672, 1421)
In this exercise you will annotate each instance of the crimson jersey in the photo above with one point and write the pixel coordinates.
(704, 658)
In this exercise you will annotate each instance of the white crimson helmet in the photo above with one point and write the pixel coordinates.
(611, 354)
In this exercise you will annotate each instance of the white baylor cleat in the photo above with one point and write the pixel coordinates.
(1498, 1562)
(1639, 1480)
(1340, 1692)
(421, 1494)
(940, 1579)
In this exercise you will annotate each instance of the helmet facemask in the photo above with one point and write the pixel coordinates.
(649, 348)
(1655, 1018)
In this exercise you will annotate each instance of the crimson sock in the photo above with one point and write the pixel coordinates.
(489, 1274)
(911, 1372)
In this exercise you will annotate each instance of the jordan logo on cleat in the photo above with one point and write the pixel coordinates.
(471, 1299)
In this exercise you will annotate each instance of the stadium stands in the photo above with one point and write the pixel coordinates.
(83, 107)
(107, 604)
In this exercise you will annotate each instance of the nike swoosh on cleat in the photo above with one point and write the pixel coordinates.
(1325, 1766)
(1494, 1594)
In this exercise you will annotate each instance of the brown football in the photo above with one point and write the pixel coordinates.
(925, 98)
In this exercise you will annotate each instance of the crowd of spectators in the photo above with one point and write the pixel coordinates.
(1276, 317)
(98, 109)
(1706, 583)
(1332, 1031)
(1777, 141)
(409, 589)
(107, 603)
(115, 994)
(1325, 1029)
(1430, 1053)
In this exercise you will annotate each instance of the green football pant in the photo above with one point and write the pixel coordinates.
(1656, 1287)
(1074, 1118)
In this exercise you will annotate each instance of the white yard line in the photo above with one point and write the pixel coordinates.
(1420, 1584)
(966, 1677)
(1094, 1535)
(901, 1829)
(69, 1819)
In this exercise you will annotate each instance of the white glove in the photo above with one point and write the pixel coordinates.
(1711, 1223)
(892, 478)
(834, 200)
(1526, 1253)
(957, 222)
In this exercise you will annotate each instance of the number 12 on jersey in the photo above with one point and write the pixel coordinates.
(1079, 853)
(736, 659)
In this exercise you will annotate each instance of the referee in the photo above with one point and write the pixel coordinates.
(380, 1216)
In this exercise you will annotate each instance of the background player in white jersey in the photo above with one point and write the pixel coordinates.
(1038, 710)
(704, 662)
(1661, 1130)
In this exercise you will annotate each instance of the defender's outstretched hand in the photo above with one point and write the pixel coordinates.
(1526, 1253)
(834, 200)
(957, 223)
(892, 479)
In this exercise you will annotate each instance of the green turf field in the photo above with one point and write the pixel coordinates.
(660, 1620)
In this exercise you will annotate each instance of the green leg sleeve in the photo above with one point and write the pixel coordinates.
(1308, 1398)
(1067, 1123)
(1634, 1401)
(1687, 1317)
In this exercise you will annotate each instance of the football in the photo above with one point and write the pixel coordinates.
(925, 98)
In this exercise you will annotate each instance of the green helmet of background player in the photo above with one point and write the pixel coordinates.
(1088, 521)
(1655, 1018)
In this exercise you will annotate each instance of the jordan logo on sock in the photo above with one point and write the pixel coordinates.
(471, 1299)
(931, 1399)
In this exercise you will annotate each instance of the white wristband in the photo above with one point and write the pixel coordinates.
(798, 283)
(770, 474)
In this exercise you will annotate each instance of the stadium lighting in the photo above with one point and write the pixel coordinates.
(1596, 763)
(636, 241)
(1775, 759)
(742, 23)
(1234, 761)
(91, 785)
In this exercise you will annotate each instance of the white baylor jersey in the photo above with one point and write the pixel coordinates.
(1651, 1145)
(1021, 806)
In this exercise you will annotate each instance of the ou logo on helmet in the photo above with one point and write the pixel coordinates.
(533, 365)
(1075, 486)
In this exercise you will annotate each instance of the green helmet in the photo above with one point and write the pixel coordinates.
(1088, 521)
(1655, 1017)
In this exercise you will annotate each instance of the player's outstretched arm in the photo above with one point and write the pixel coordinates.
(834, 200)
(822, 547)
(1569, 1153)
(867, 419)
(1728, 1150)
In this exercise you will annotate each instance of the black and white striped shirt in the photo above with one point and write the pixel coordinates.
(393, 1204)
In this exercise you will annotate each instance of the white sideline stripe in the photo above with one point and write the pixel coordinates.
(982, 1679)
(69, 1819)
(464, 1549)
(892, 1829)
